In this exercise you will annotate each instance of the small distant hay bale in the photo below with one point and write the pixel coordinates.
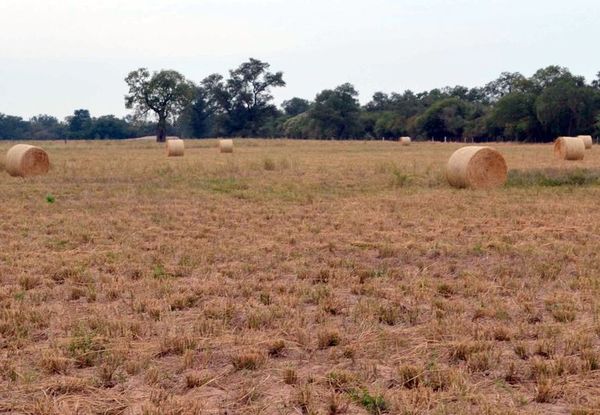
(405, 141)
(175, 147)
(588, 141)
(476, 167)
(569, 148)
(24, 160)
(226, 146)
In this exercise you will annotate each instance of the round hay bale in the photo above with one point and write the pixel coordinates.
(569, 148)
(405, 141)
(476, 167)
(24, 160)
(226, 146)
(588, 141)
(175, 147)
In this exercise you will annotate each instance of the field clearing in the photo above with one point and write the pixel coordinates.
(298, 277)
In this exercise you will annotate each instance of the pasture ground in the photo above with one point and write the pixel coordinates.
(298, 277)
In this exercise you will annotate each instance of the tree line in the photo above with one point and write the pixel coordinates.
(513, 107)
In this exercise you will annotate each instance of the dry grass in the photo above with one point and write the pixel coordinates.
(294, 277)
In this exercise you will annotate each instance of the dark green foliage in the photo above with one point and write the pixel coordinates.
(552, 102)
(566, 107)
(445, 118)
(336, 113)
(514, 117)
(165, 94)
(196, 119)
(12, 127)
(507, 83)
(295, 106)
(109, 126)
(242, 105)
(79, 124)
(46, 127)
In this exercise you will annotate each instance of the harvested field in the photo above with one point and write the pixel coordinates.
(298, 277)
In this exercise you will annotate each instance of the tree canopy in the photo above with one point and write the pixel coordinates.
(551, 102)
(242, 104)
(166, 94)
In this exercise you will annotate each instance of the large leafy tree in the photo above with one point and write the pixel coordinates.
(566, 107)
(196, 119)
(45, 127)
(380, 102)
(596, 82)
(12, 128)
(110, 127)
(390, 125)
(295, 106)
(79, 124)
(336, 113)
(514, 117)
(165, 94)
(505, 84)
(392, 115)
(545, 77)
(445, 118)
(242, 104)
(300, 126)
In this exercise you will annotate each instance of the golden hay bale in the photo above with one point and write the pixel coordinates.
(587, 140)
(226, 146)
(569, 148)
(405, 141)
(24, 160)
(476, 167)
(175, 147)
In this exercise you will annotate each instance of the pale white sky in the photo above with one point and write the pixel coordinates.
(59, 55)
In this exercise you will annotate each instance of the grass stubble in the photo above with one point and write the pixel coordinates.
(295, 277)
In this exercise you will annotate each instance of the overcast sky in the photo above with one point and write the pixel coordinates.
(58, 55)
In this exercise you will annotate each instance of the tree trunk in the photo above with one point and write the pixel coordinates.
(161, 132)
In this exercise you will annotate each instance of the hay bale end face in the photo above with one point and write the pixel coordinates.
(175, 147)
(476, 167)
(24, 160)
(405, 141)
(588, 141)
(226, 146)
(569, 148)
